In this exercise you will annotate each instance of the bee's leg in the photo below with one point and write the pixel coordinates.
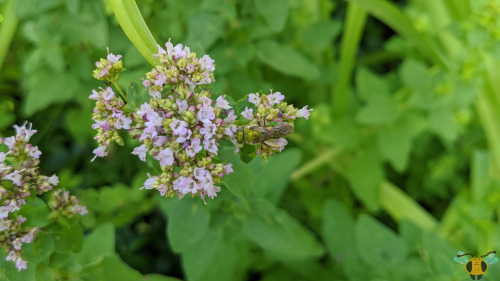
(479, 277)
(473, 277)
(264, 143)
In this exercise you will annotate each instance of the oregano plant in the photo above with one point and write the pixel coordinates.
(181, 125)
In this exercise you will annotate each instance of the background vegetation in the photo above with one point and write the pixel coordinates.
(396, 170)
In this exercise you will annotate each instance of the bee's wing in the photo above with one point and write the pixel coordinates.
(462, 259)
(276, 144)
(490, 258)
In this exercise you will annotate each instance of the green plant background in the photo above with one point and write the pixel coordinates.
(397, 168)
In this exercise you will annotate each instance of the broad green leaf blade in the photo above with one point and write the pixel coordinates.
(377, 245)
(100, 243)
(187, 223)
(287, 60)
(112, 268)
(274, 12)
(204, 30)
(36, 212)
(338, 228)
(365, 175)
(395, 140)
(279, 234)
(39, 250)
(197, 258)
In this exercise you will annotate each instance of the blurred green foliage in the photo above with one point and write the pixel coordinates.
(396, 170)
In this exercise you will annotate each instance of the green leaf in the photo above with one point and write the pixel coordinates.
(112, 268)
(337, 228)
(287, 60)
(9, 272)
(223, 263)
(39, 250)
(100, 243)
(279, 234)
(258, 178)
(197, 258)
(204, 29)
(377, 245)
(247, 152)
(44, 90)
(321, 33)
(381, 107)
(159, 277)
(439, 252)
(136, 96)
(365, 175)
(274, 12)
(443, 123)
(395, 140)
(414, 75)
(36, 212)
(187, 223)
(69, 238)
(45, 273)
(411, 233)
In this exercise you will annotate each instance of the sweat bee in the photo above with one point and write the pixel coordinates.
(270, 135)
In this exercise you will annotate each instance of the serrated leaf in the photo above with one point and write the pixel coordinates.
(187, 224)
(274, 12)
(287, 60)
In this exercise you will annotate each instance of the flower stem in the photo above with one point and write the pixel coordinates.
(120, 91)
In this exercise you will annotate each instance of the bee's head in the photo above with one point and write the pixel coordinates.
(240, 135)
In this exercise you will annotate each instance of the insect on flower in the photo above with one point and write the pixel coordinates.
(476, 267)
(269, 135)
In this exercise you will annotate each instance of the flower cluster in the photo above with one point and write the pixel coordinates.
(181, 127)
(108, 117)
(20, 181)
(108, 69)
(178, 66)
(67, 204)
(269, 121)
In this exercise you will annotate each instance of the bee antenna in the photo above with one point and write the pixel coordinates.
(465, 255)
(492, 252)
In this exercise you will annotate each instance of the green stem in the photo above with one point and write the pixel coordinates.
(314, 163)
(130, 19)
(121, 92)
(351, 36)
(8, 28)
